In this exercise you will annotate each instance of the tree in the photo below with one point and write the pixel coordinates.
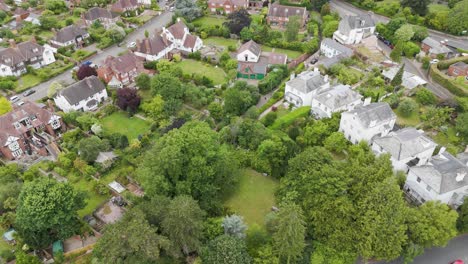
(154, 108)
(436, 117)
(227, 250)
(169, 87)
(48, 21)
(418, 6)
(276, 153)
(130, 240)
(188, 9)
(54, 88)
(5, 105)
(183, 224)
(23, 258)
(404, 33)
(85, 120)
(395, 55)
(216, 110)
(329, 28)
(143, 81)
(458, 18)
(55, 6)
(425, 97)
(47, 211)
(420, 33)
(398, 78)
(234, 226)
(290, 234)
(270, 118)
(431, 224)
(410, 49)
(336, 142)
(238, 20)
(462, 221)
(407, 107)
(292, 28)
(89, 148)
(239, 98)
(128, 99)
(85, 71)
(462, 125)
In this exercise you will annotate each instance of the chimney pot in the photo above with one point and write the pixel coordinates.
(367, 101)
(12, 43)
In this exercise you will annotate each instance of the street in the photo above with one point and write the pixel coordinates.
(66, 77)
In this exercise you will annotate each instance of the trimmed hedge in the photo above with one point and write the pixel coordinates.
(445, 64)
(447, 82)
(289, 118)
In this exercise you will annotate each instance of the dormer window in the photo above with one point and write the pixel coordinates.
(8, 60)
(17, 125)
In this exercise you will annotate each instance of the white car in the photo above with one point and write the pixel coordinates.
(20, 103)
(131, 45)
(14, 98)
(434, 61)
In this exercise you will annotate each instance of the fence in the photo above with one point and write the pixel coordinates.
(295, 62)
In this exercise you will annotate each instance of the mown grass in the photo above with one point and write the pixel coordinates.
(119, 122)
(217, 75)
(287, 119)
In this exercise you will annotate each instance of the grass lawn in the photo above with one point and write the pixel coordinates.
(209, 21)
(26, 81)
(130, 126)
(217, 41)
(29, 80)
(292, 54)
(93, 200)
(449, 140)
(437, 8)
(81, 54)
(3, 244)
(254, 198)
(412, 120)
(204, 69)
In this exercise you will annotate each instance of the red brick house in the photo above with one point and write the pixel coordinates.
(122, 70)
(29, 129)
(278, 15)
(458, 69)
(227, 6)
(434, 48)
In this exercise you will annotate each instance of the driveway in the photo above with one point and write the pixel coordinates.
(139, 33)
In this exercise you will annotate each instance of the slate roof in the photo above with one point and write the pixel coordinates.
(177, 30)
(277, 10)
(98, 12)
(350, 22)
(124, 63)
(259, 67)
(409, 80)
(252, 46)
(307, 81)
(24, 51)
(152, 45)
(125, 4)
(30, 49)
(379, 112)
(337, 96)
(277, 58)
(461, 65)
(10, 57)
(82, 90)
(69, 33)
(457, 44)
(337, 46)
(190, 41)
(436, 46)
(442, 172)
(405, 143)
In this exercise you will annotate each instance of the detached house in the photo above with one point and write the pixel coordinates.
(279, 15)
(367, 121)
(105, 17)
(300, 90)
(408, 147)
(331, 48)
(458, 69)
(227, 6)
(122, 70)
(444, 179)
(335, 99)
(68, 36)
(13, 60)
(29, 129)
(127, 7)
(352, 29)
(84, 95)
(434, 48)
(175, 38)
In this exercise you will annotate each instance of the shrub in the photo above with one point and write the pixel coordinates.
(289, 118)
(407, 107)
(425, 97)
(270, 118)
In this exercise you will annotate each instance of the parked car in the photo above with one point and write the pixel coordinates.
(14, 99)
(313, 61)
(87, 63)
(131, 45)
(20, 103)
(434, 61)
(29, 92)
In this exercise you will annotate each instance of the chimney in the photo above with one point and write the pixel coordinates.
(316, 69)
(362, 22)
(460, 176)
(147, 45)
(442, 150)
(33, 39)
(12, 43)
(367, 101)
(325, 78)
(138, 45)
(293, 75)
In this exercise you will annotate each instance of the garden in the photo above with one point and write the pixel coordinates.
(214, 73)
(119, 122)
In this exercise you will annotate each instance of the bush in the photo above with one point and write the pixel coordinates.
(407, 107)
(100, 188)
(445, 81)
(425, 97)
(270, 118)
(273, 79)
(288, 119)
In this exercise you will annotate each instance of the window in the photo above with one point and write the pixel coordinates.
(428, 188)
(55, 124)
(17, 153)
(422, 200)
(418, 179)
(17, 125)
(14, 146)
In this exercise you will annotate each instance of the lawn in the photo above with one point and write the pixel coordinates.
(254, 198)
(204, 69)
(292, 54)
(119, 122)
(26, 81)
(437, 8)
(412, 120)
(209, 21)
(449, 139)
(82, 54)
(29, 80)
(3, 244)
(93, 200)
(224, 42)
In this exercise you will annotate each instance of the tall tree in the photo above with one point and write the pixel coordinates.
(404, 33)
(54, 88)
(238, 20)
(168, 86)
(292, 28)
(85, 71)
(289, 238)
(462, 221)
(89, 148)
(128, 99)
(395, 55)
(183, 225)
(47, 211)
(5, 105)
(143, 81)
(458, 18)
(398, 79)
(130, 240)
(418, 6)
(227, 250)
(234, 226)
(188, 9)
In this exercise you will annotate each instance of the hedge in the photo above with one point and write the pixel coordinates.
(447, 82)
(443, 65)
(289, 118)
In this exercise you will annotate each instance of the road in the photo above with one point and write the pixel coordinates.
(344, 8)
(66, 77)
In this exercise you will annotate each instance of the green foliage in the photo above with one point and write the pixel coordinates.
(188, 9)
(404, 33)
(288, 239)
(5, 106)
(47, 211)
(270, 118)
(143, 81)
(23, 258)
(407, 107)
(410, 49)
(239, 98)
(436, 117)
(336, 142)
(286, 120)
(89, 148)
(154, 108)
(276, 152)
(425, 97)
(292, 28)
(226, 249)
(462, 125)
(395, 55)
(420, 7)
(458, 17)
(234, 226)
(238, 20)
(273, 79)
(398, 78)
(462, 221)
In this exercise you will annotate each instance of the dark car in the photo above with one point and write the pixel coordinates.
(313, 61)
(29, 92)
(87, 63)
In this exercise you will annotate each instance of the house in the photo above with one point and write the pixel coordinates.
(444, 179)
(335, 99)
(70, 35)
(15, 59)
(34, 19)
(122, 69)
(227, 6)
(458, 69)
(434, 48)
(175, 38)
(105, 17)
(409, 80)
(127, 7)
(407, 147)
(253, 63)
(352, 29)
(4, 7)
(84, 95)
(331, 48)
(29, 129)
(279, 15)
(300, 90)
(367, 121)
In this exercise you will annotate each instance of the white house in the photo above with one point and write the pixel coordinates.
(181, 38)
(408, 147)
(336, 99)
(367, 121)
(249, 52)
(331, 48)
(352, 29)
(84, 95)
(13, 60)
(409, 80)
(68, 36)
(300, 90)
(444, 179)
